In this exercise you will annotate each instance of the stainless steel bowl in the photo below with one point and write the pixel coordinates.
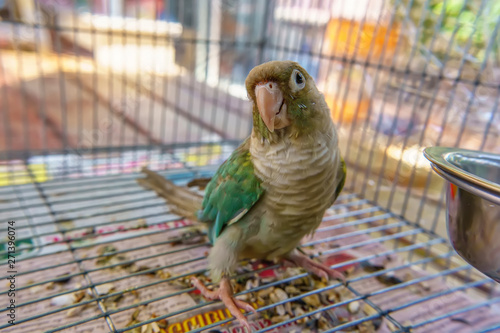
(473, 204)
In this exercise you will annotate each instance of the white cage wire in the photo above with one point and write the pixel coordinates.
(91, 91)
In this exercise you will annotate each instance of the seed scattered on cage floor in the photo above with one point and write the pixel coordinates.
(62, 300)
(163, 274)
(134, 317)
(112, 302)
(370, 267)
(142, 268)
(63, 278)
(190, 237)
(460, 320)
(389, 279)
(116, 261)
(288, 310)
(103, 289)
(71, 299)
(80, 295)
(353, 307)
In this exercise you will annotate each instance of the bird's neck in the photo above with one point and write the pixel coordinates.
(320, 127)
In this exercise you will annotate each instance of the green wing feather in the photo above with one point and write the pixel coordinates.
(233, 190)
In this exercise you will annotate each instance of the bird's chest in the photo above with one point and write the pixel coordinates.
(299, 181)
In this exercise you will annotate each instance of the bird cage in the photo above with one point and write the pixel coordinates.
(92, 91)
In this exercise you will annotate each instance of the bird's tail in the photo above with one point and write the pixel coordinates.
(182, 201)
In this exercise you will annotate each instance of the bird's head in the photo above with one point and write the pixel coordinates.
(285, 98)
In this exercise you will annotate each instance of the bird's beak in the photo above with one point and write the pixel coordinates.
(270, 102)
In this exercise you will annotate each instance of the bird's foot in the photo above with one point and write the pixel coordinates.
(316, 268)
(225, 294)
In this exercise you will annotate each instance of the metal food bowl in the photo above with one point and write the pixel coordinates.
(473, 204)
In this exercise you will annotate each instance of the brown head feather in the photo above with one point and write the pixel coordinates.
(307, 109)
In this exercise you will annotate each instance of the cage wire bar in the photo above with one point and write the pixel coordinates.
(93, 90)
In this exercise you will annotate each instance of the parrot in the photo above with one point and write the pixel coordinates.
(273, 189)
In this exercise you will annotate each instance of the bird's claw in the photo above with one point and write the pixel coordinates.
(225, 294)
(316, 268)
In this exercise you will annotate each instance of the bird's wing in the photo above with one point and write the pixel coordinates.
(231, 193)
(342, 172)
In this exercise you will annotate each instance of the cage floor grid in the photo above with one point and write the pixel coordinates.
(102, 254)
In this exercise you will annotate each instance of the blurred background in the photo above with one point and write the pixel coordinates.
(100, 87)
(82, 80)
(91, 91)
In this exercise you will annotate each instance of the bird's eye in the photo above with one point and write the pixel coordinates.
(297, 81)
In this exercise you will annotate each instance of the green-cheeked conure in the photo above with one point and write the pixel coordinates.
(275, 187)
